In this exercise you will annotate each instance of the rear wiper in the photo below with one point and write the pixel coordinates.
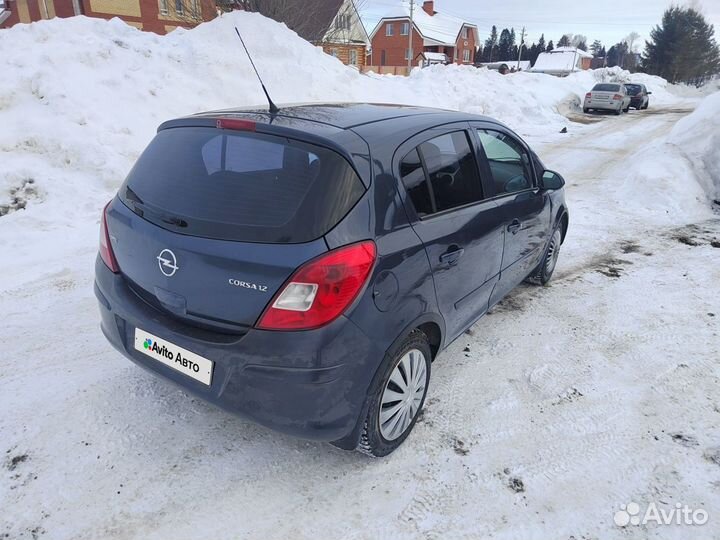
(140, 208)
(172, 220)
(132, 196)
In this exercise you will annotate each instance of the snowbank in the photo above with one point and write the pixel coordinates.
(698, 136)
(85, 96)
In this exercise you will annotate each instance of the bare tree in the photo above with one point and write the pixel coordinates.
(302, 17)
(630, 40)
(311, 19)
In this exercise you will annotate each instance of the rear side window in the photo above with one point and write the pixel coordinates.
(241, 186)
(452, 178)
(606, 88)
(508, 160)
(416, 184)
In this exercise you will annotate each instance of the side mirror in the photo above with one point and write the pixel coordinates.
(551, 180)
(648, 93)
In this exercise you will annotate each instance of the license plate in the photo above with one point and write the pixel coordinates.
(171, 355)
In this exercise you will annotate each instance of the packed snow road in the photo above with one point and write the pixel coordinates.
(564, 403)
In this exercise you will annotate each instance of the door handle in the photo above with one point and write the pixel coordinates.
(452, 257)
(514, 226)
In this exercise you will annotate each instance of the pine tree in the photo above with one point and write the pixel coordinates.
(596, 48)
(478, 55)
(505, 45)
(616, 56)
(534, 52)
(541, 44)
(682, 48)
(490, 45)
(564, 41)
(550, 46)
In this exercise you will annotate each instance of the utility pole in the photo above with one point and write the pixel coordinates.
(522, 40)
(410, 36)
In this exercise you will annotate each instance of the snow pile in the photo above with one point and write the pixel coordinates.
(698, 136)
(86, 95)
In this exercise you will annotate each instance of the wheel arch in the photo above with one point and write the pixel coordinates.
(433, 326)
(562, 221)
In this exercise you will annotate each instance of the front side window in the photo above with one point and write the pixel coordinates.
(509, 162)
(353, 57)
(466, 55)
(389, 29)
(405, 29)
(163, 7)
(464, 32)
(179, 7)
(408, 54)
(452, 178)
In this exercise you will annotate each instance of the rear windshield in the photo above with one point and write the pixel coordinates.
(241, 186)
(606, 88)
(633, 89)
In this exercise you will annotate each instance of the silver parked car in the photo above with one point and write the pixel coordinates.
(607, 97)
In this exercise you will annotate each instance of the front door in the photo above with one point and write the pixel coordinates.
(462, 231)
(525, 208)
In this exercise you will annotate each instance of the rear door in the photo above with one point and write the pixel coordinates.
(525, 208)
(211, 222)
(460, 229)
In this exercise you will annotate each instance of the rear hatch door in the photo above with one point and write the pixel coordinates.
(211, 222)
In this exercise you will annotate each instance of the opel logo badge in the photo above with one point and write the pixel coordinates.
(167, 263)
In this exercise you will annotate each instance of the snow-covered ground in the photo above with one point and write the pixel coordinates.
(564, 403)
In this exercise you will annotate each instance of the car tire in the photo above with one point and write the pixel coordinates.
(586, 110)
(618, 111)
(544, 271)
(380, 438)
(627, 110)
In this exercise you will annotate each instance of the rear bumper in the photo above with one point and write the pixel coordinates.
(309, 384)
(604, 105)
(636, 102)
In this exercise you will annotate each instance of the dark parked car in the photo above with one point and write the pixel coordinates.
(303, 269)
(639, 95)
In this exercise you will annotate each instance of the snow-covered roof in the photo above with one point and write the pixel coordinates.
(435, 56)
(560, 60)
(524, 64)
(573, 50)
(438, 29)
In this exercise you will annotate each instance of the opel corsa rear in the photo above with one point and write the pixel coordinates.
(304, 268)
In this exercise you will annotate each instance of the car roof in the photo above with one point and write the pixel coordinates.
(348, 115)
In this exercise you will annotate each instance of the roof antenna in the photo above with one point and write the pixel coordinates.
(271, 106)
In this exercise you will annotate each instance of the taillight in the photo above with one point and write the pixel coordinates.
(320, 290)
(588, 95)
(617, 96)
(106, 252)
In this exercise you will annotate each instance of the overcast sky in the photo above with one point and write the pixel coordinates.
(607, 21)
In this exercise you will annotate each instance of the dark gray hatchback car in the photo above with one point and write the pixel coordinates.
(304, 268)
